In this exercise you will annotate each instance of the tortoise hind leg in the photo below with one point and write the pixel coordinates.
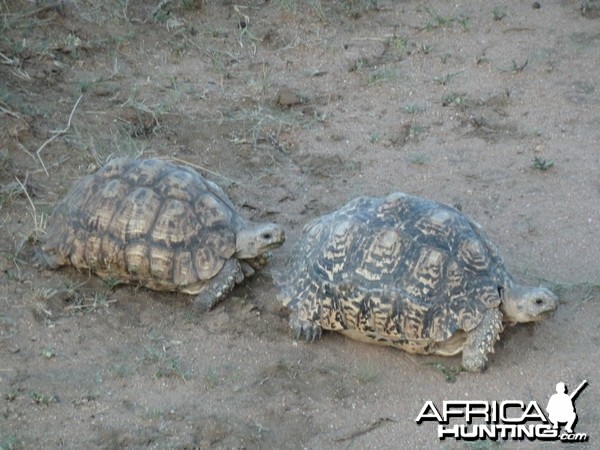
(219, 286)
(307, 311)
(310, 329)
(315, 309)
(481, 340)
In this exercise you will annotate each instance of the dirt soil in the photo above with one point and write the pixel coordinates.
(294, 108)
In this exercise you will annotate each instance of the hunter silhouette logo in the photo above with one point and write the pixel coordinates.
(560, 406)
(509, 419)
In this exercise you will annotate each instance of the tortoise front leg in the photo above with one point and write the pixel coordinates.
(219, 286)
(481, 340)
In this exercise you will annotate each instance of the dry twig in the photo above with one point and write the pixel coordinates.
(57, 133)
(204, 169)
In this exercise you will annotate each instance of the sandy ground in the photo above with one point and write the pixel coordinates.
(293, 107)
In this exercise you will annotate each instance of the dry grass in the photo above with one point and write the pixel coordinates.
(39, 220)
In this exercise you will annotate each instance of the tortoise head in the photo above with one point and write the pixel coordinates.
(252, 241)
(527, 304)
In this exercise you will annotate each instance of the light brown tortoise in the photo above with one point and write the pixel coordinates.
(406, 272)
(160, 225)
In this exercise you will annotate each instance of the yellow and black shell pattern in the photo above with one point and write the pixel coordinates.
(148, 221)
(401, 270)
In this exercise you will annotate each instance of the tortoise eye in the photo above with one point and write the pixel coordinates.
(267, 236)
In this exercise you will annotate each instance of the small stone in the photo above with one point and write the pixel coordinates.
(286, 97)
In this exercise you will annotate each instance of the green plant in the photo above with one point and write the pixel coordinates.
(85, 85)
(515, 67)
(15, 256)
(449, 373)
(162, 12)
(542, 164)
(152, 354)
(161, 353)
(356, 8)
(120, 39)
(425, 48)
(455, 99)
(111, 282)
(48, 353)
(381, 76)
(10, 442)
(464, 21)
(288, 5)
(192, 4)
(89, 304)
(444, 57)
(284, 368)
(366, 375)
(398, 43)
(260, 84)
(121, 370)
(212, 378)
(153, 413)
(263, 124)
(436, 19)
(318, 9)
(39, 220)
(482, 58)
(358, 65)
(42, 398)
(446, 78)
(9, 326)
(413, 108)
(182, 38)
(415, 130)
(419, 159)
(172, 367)
(499, 13)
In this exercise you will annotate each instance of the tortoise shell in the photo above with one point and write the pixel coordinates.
(151, 222)
(400, 270)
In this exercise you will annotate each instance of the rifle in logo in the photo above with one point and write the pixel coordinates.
(561, 408)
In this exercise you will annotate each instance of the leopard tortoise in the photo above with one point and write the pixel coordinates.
(160, 225)
(406, 272)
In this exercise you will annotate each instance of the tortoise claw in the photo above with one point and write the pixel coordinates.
(310, 330)
(316, 333)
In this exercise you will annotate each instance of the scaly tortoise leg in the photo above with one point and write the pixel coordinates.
(219, 286)
(481, 340)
